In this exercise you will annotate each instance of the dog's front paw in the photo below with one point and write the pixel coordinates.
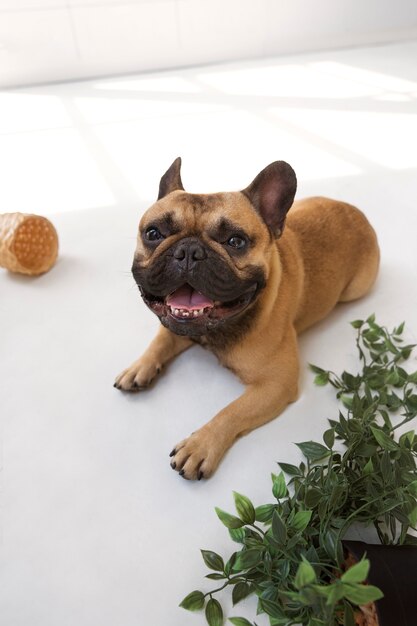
(138, 376)
(196, 457)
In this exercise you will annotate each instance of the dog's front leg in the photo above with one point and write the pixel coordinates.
(161, 350)
(271, 388)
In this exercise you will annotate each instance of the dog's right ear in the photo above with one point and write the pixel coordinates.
(272, 193)
(171, 180)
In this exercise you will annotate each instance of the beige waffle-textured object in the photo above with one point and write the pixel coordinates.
(28, 243)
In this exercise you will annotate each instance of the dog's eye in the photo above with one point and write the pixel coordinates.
(153, 234)
(236, 242)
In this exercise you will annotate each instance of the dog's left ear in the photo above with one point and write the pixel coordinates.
(171, 180)
(272, 193)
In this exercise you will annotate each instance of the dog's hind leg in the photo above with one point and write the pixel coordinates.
(365, 275)
(367, 260)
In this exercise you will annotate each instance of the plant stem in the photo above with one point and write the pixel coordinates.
(258, 529)
(229, 581)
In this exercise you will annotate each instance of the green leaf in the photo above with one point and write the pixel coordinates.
(332, 545)
(212, 560)
(399, 329)
(301, 520)
(315, 369)
(376, 382)
(230, 521)
(241, 591)
(308, 596)
(321, 379)
(383, 439)
(368, 468)
(393, 378)
(413, 517)
(411, 402)
(244, 508)
(291, 470)
(271, 608)
(239, 621)
(350, 381)
(349, 615)
(279, 530)
(362, 594)
(412, 488)
(328, 438)
(312, 450)
(365, 449)
(313, 497)
(237, 534)
(215, 576)
(279, 487)
(333, 593)
(386, 468)
(282, 568)
(357, 573)
(247, 559)
(230, 563)
(413, 377)
(407, 438)
(347, 401)
(264, 512)
(194, 601)
(305, 575)
(214, 613)
(338, 496)
(357, 323)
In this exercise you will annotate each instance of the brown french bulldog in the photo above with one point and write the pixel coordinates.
(220, 270)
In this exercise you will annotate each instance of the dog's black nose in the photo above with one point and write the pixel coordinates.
(187, 253)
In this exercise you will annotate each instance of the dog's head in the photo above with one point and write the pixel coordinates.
(203, 259)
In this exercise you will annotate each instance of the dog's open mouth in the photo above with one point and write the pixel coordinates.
(186, 304)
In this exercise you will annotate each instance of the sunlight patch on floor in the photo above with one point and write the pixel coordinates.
(102, 142)
(388, 139)
(49, 172)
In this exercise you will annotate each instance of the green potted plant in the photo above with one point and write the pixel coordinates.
(291, 552)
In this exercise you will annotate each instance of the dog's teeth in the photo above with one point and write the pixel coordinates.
(186, 313)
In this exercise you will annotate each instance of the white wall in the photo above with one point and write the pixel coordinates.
(49, 40)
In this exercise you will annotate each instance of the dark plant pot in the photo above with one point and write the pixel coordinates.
(394, 571)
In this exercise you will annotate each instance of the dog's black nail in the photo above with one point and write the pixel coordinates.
(172, 452)
(200, 474)
(182, 472)
(173, 465)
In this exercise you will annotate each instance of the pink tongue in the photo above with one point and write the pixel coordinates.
(187, 298)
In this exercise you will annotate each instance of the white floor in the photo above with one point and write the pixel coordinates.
(97, 530)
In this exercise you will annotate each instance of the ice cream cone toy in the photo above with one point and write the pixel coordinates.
(28, 243)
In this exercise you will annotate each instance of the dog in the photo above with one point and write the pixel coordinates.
(231, 272)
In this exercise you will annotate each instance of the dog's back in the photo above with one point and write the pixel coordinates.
(339, 252)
